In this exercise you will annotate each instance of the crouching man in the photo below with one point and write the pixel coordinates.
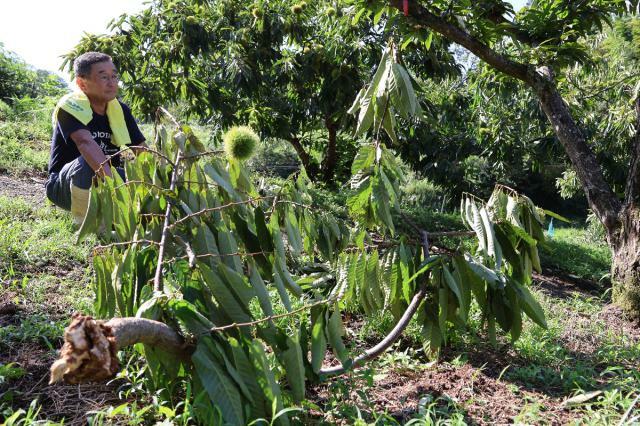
(89, 126)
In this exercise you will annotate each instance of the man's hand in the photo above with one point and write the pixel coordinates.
(91, 152)
(140, 148)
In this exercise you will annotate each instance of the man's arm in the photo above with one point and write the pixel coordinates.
(91, 152)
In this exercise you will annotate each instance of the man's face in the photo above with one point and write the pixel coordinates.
(102, 82)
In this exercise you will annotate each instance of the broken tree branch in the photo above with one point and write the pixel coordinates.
(90, 349)
(395, 333)
(157, 280)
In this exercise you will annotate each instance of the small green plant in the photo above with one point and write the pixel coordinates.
(595, 229)
(35, 328)
(568, 185)
(10, 372)
(424, 194)
(438, 411)
(5, 111)
(23, 417)
(25, 133)
(32, 237)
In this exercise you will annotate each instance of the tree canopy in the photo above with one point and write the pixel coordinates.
(539, 46)
(17, 79)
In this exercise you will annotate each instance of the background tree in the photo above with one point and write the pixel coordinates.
(479, 131)
(18, 80)
(288, 69)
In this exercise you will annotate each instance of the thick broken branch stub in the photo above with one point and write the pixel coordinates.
(89, 353)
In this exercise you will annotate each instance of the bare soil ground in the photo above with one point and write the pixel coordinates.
(28, 188)
(58, 402)
(477, 385)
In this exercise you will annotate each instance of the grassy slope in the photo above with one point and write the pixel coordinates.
(45, 275)
(576, 251)
(25, 136)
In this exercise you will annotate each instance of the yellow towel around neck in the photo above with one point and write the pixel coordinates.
(77, 104)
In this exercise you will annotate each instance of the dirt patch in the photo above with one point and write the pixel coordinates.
(616, 320)
(8, 306)
(28, 188)
(480, 388)
(580, 337)
(482, 399)
(57, 402)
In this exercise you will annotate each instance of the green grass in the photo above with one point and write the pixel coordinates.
(47, 276)
(43, 268)
(34, 237)
(574, 251)
(605, 361)
(18, 157)
(25, 136)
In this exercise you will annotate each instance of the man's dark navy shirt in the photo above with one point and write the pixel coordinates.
(64, 150)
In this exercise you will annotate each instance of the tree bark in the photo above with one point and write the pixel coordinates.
(625, 269)
(305, 158)
(600, 196)
(331, 157)
(632, 191)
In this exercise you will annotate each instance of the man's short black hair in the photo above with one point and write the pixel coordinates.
(82, 64)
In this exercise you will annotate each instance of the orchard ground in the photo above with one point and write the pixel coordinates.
(583, 369)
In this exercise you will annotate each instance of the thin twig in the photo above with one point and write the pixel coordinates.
(213, 209)
(153, 151)
(450, 234)
(202, 154)
(270, 317)
(476, 197)
(205, 255)
(151, 215)
(124, 243)
(169, 116)
(157, 281)
(295, 203)
(507, 188)
(141, 182)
